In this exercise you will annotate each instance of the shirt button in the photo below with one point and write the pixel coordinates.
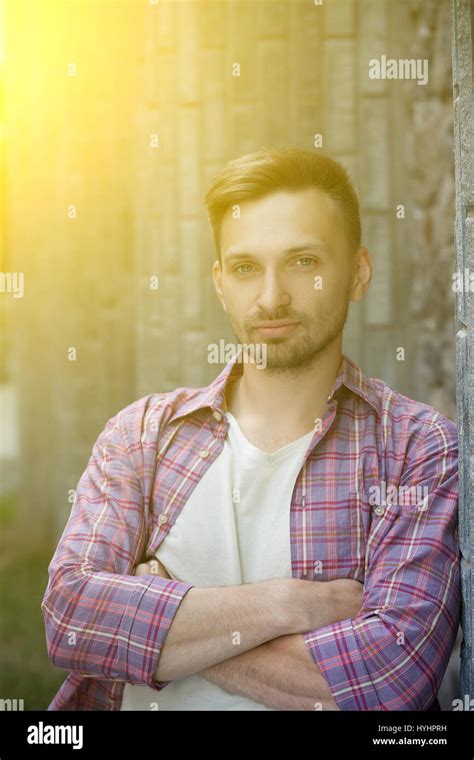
(217, 416)
(379, 511)
(204, 453)
(162, 519)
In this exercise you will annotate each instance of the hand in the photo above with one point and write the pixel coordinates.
(314, 604)
(152, 567)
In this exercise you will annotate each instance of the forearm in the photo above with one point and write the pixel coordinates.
(85, 613)
(279, 673)
(212, 623)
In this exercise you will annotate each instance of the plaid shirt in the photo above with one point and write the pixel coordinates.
(107, 627)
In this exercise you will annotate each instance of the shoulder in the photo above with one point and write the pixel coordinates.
(414, 428)
(399, 419)
(148, 415)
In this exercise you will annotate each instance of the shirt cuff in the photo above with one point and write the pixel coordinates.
(155, 612)
(336, 651)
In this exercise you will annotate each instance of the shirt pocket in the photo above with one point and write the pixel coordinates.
(337, 540)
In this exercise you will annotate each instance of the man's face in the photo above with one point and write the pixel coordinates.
(287, 275)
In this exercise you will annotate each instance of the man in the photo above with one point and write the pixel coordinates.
(284, 538)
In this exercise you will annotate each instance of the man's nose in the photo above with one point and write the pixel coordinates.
(274, 293)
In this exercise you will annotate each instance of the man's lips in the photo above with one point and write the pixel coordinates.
(277, 323)
(276, 328)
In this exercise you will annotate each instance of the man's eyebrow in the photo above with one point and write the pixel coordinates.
(319, 247)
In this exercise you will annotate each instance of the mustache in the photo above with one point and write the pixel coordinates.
(278, 316)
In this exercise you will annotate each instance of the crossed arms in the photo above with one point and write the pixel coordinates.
(268, 620)
(388, 653)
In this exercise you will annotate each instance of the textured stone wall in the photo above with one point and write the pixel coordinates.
(463, 80)
(430, 169)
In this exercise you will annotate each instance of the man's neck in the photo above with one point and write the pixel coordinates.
(284, 401)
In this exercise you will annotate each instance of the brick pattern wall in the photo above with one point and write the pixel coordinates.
(133, 141)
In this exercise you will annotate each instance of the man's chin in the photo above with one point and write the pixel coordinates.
(285, 353)
(281, 358)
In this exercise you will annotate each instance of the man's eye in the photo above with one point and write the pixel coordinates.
(305, 261)
(240, 268)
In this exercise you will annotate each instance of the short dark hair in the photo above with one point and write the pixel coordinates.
(268, 170)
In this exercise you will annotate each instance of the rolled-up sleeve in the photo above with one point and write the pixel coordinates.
(394, 653)
(101, 621)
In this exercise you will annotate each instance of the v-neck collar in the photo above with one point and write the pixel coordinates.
(256, 452)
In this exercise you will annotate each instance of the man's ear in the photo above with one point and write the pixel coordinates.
(217, 279)
(362, 274)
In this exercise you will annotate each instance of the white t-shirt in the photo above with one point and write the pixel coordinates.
(234, 529)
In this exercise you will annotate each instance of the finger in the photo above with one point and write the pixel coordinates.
(142, 569)
(157, 568)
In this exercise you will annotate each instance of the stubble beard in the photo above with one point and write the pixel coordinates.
(297, 353)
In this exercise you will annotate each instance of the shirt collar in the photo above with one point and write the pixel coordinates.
(212, 396)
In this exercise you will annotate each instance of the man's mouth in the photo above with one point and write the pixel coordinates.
(276, 327)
